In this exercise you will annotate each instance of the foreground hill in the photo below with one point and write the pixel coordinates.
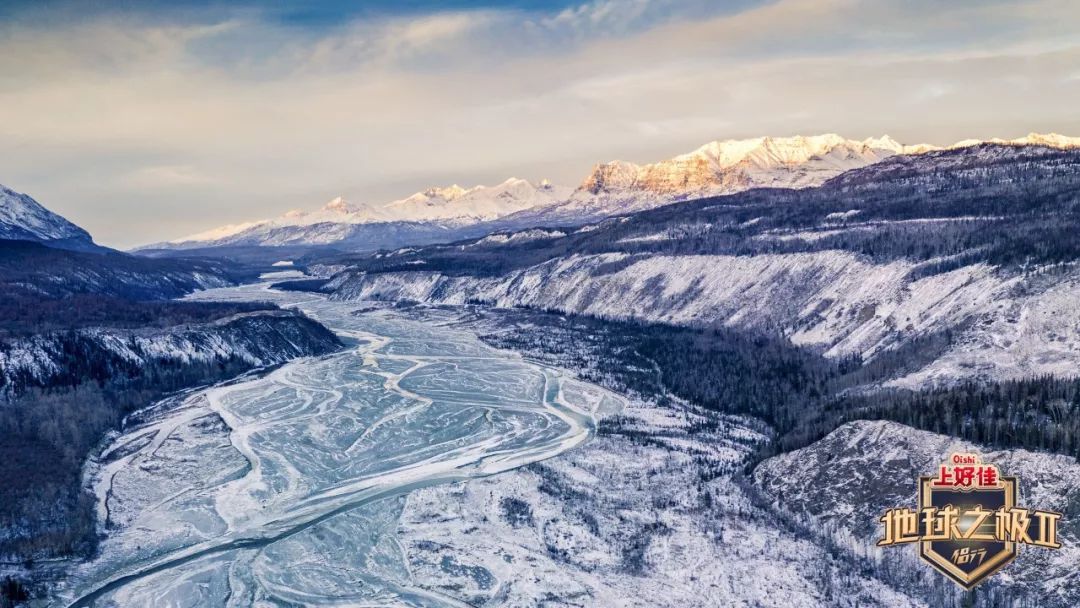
(844, 483)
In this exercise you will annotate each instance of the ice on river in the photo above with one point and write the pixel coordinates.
(286, 489)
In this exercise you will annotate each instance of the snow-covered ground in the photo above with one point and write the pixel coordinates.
(286, 488)
(636, 517)
(1007, 324)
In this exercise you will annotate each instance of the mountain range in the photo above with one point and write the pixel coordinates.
(611, 188)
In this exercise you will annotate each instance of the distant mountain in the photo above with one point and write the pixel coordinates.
(613, 188)
(481, 203)
(428, 216)
(1049, 140)
(43, 255)
(35, 269)
(22, 218)
(721, 167)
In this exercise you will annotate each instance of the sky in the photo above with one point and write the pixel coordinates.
(148, 121)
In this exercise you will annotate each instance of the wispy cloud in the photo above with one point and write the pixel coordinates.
(179, 124)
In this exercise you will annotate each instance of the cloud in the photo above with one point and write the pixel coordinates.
(167, 176)
(175, 126)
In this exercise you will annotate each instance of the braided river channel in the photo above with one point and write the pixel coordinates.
(284, 487)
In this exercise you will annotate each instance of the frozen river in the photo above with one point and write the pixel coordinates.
(286, 489)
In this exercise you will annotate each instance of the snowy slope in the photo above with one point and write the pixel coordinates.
(435, 211)
(832, 301)
(257, 338)
(23, 218)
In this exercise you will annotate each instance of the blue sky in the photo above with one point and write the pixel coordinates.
(149, 120)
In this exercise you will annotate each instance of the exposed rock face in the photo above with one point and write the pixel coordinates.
(733, 165)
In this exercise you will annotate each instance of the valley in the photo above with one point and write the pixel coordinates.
(245, 492)
(602, 411)
(539, 304)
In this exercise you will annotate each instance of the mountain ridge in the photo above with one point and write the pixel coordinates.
(23, 218)
(448, 206)
(715, 168)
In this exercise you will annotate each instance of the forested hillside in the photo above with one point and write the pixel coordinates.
(799, 393)
(32, 268)
(62, 390)
(808, 460)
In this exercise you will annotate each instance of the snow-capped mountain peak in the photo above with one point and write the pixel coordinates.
(1053, 140)
(478, 203)
(884, 143)
(339, 205)
(449, 193)
(1050, 140)
(337, 210)
(716, 168)
(722, 167)
(23, 218)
